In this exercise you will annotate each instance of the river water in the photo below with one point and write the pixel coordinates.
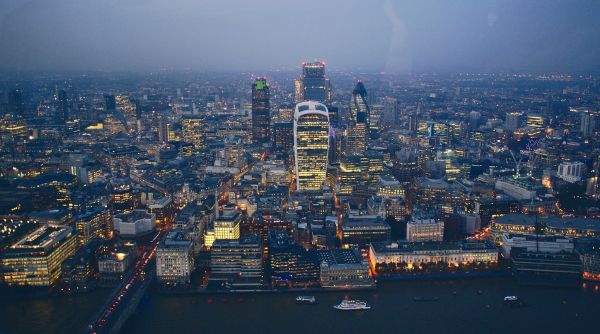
(550, 310)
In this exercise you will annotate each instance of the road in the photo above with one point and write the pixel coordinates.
(124, 292)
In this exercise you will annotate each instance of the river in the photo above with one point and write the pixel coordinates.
(550, 310)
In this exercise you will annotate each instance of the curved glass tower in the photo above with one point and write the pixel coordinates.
(358, 127)
(311, 144)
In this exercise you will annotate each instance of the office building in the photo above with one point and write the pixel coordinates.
(36, 259)
(536, 121)
(314, 85)
(291, 264)
(174, 258)
(358, 125)
(93, 224)
(362, 230)
(284, 137)
(534, 243)
(343, 268)
(311, 144)
(571, 171)
(588, 123)
(261, 111)
(237, 262)
(424, 229)
(227, 226)
(513, 121)
(135, 223)
(412, 255)
(192, 131)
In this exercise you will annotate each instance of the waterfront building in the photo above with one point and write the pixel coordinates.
(574, 227)
(548, 269)
(114, 261)
(36, 259)
(311, 144)
(134, 223)
(343, 268)
(411, 254)
(424, 229)
(174, 258)
(534, 243)
(261, 111)
(237, 262)
(290, 263)
(362, 230)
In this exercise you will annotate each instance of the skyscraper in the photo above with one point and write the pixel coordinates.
(192, 131)
(63, 106)
(311, 144)
(315, 86)
(261, 118)
(513, 121)
(358, 125)
(110, 103)
(15, 102)
(588, 123)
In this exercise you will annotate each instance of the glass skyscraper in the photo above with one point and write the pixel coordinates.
(314, 85)
(358, 126)
(261, 118)
(311, 144)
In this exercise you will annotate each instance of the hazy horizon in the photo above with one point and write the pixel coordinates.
(377, 36)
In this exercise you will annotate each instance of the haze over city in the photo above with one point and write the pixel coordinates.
(379, 35)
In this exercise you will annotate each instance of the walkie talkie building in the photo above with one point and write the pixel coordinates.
(311, 144)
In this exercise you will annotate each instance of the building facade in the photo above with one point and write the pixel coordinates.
(311, 144)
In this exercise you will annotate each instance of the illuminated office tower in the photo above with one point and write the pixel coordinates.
(311, 144)
(228, 226)
(35, 260)
(261, 117)
(315, 86)
(192, 131)
(286, 113)
(283, 134)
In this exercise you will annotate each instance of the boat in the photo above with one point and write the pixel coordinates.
(351, 305)
(511, 298)
(426, 299)
(514, 301)
(306, 300)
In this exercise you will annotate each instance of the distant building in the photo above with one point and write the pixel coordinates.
(174, 258)
(314, 85)
(115, 261)
(193, 132)
(358, 128)
(311, 144)
(588, 123)
(36, 259)
(424, 229)
(522, 188)
(571, 171)
(513, 121)
(261, 111)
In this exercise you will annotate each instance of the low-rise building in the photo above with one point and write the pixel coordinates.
(134, 223)
(410, 255)
(343, 268)
(535, 243)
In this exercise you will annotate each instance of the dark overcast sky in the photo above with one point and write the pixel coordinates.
(379, 35)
